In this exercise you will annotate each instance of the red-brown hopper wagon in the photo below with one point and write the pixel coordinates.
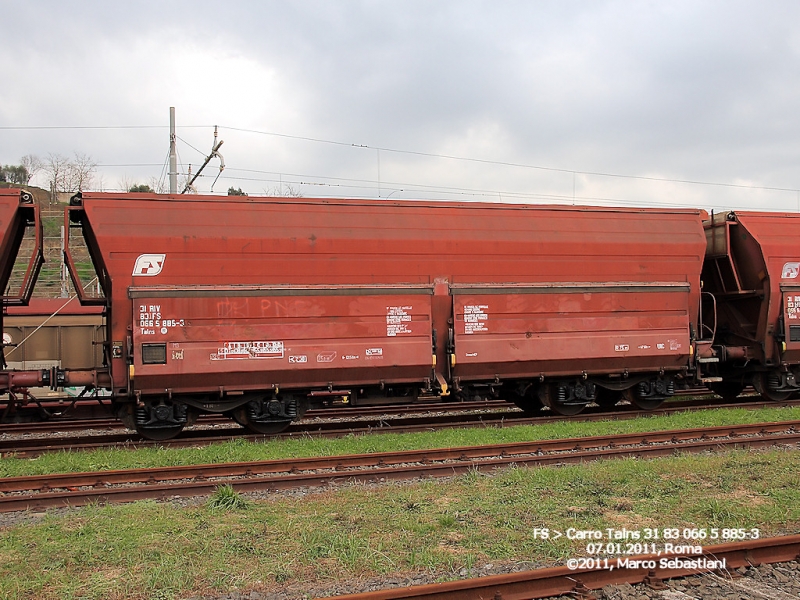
(260, 307)
(257, 307)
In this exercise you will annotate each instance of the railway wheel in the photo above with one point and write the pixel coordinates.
(635, 397)
(727, 390)
(549, 395)
(765, 384)
(267, 415)
(160, 420)
(607, 399)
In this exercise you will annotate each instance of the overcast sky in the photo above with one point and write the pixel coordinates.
(613, 103)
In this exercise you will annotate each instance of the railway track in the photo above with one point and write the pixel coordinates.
(71, 414)
(35, 445)
(77, 489)
(78, 422)
(579, 583)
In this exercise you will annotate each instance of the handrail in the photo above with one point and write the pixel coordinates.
(703, 325)
(80, 289)
(27, 214)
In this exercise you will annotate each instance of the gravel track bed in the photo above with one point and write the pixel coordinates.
(779, 581)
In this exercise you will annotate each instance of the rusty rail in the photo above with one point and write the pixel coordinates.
(75, 489)
(34, 446)
(556, 581)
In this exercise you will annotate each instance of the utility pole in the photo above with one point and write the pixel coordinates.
(173, 157)
(214, 154)
(64, 273)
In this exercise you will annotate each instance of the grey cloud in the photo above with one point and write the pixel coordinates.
(684, 90)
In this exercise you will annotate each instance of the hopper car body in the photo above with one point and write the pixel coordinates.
(261, 307)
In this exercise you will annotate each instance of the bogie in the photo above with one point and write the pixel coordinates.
(650, 394)
(270, 414)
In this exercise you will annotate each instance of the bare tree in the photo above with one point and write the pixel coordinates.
(56, 166)
(290, 192)
(65, 175)
(284, 190)
(158, 186)
(125, 184)
(82, 172)
(32, 164)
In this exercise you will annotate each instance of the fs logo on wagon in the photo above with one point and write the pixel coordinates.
(790, 270)
(149, 264)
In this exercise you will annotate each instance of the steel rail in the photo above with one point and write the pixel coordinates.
(84, 417)
(557, 581)
(39, 492)
(354, 412)
(33, 446)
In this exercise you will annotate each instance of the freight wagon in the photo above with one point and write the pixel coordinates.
(753, 293)
(260, 307)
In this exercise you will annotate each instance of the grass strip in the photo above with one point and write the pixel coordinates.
(242, 450)
(149, 550)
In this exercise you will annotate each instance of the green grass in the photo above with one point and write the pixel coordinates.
(241, 450)
(226, 498)
(149, 550)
